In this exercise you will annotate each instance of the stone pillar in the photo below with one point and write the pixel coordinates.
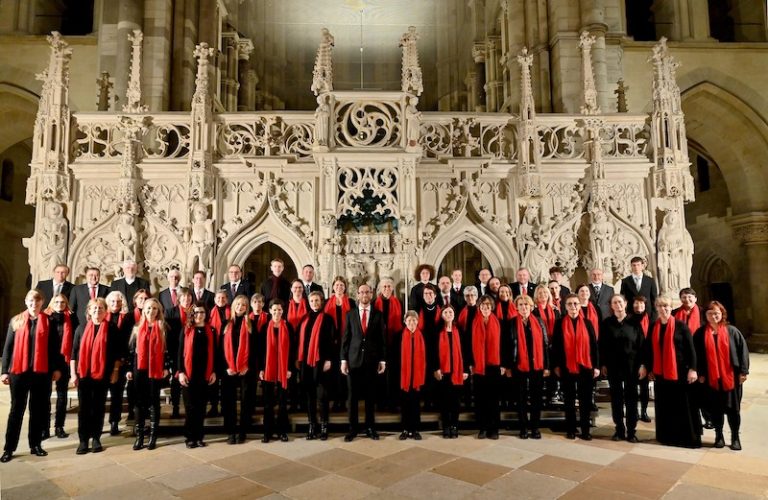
(246, 96)
(130, 16)
(752, 230)
(692, 18)
(493, 86)
(229, 85)
(478, 54)
(593, 20)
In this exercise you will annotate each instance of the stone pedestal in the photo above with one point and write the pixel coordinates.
(752, 230)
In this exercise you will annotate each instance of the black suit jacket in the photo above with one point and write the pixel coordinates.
(165, 299)
(207, 298)
(516, 289)
(480, 291)
(79, 297)
(451, 299)
(359, 350)
(602, 300)
(130, 290)
(458, 297)
(313, 287)
(46, 288)
(243, 288)
(648, 290)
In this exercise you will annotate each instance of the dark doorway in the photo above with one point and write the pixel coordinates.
(256, 267)
(723, 293)
(468, 258)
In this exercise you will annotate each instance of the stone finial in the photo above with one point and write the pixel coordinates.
(202, 53)
(322, 74)
(621, 96)
(411, 78)
(527, 108)
(133, 93)
(105, 87)
(589, 106)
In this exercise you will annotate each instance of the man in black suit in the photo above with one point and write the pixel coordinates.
(274, 287)
(638, 283)
(600, 293)
(457, 289)
(363, 359)
(129, 284)
(444, 297)
(307, 277)
(199, 292)
(483, 276)
(169, 298)
(57, 285)
(523, 284)
(237, 285)
(83, 293)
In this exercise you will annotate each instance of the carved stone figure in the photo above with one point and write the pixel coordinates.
(600, 235)
(675, 254)
(199, 239)
(322, 115)
(126, 238)
(53, 237)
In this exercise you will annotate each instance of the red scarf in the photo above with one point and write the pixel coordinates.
(537, 337)
(20, 362)
(297, 312)
(457, 373)
(330, 310)
(216, 319)
(313, 354)
(592, 318)
(485, 343)
(719, 359)
(691, 317)
(644, 324)
(394, 321)
(120, 318)
(547, 315)
(150, 350)
(136, 315)
(92, 359)
(67, 337)
(240, 362)
(189, 347)
(669, 370)
(276, 368)
(576, 344)
(511, 310)
(556, 302)
(263, 318)
(422, 320)
(462, 320)
(183, 316)
(413, 365)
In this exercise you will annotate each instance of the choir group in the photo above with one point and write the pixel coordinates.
(480, 346)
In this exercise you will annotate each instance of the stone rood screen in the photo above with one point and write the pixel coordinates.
(365, 185)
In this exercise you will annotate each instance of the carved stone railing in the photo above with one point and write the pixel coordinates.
(468, 135)
(625, 136)
(560, 137)
(369, 120)
(265, 134)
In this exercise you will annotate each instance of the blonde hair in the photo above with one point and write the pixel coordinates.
(663, 300)
(524, 298)
(49, 308)
(544, 289)
(18, 320)
(159, 322)
(244, 300)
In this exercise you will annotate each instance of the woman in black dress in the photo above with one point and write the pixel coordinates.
(62, 331)
(643, 320)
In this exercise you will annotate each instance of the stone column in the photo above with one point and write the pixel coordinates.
(494, 83)
(229, 85)
(692, 18)
(478, 54)
(593, 20)
(246, 95)
(752, 230)
(130, 16)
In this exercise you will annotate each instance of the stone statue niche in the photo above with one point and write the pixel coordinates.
(675, 254)
(199, 239)
(52, 239)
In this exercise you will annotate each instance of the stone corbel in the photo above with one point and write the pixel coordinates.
(751, 228)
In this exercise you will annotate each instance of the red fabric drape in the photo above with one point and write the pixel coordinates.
(422, 321)
(669, 368)
(67, 337)
(120, 318)
(547, 315)
(394, 320)
(260, 322)
(330, 310)
(297, 312)
(486, 339)
(510, 308)
(276, 369)
(216, 323)
(20, 363)
(537, 337)
(413, 364)
(592, 318)
(92, 358)
(313, 354)
(576, 344)
(719, 368)
(644, 322)
(692, 317)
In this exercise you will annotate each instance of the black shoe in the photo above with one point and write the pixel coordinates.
(481, 435)
(719, 440)
(7, 457)
(586, 436)
(523, 434)
(403, 436)
(735, 443)
(38, 451)
(97, 447)
(264, 439)
(416, 435)
(139, 443)
(323, 432)
(59, 432)
(46, 434)
(131, 415)
(283, 437)
(114, 430)
(212, 413)
(632, 438)
(311, 432)
(241, 438)
(371, 433)
(82, 449)
(190, 444)
(231, 439)
(454, 432)
(152, 440)
(570, 435)
(618, 436)
(708, 424)
(644, 417)
(446, 433)
(535, 434)
(350, 436)
(175, 413)
(493, 435)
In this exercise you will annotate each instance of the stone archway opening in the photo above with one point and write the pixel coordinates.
(468, 258)
(256, 266)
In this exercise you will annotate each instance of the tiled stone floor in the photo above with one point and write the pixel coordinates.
(433, 468)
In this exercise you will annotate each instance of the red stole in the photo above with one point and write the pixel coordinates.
(183, 313)
(547, 315)
(485, 343)
(296, 312)
(508, 307)
(313, 354)
(719, 358)
(644, 321)
(537, 337)
(330, 310)
(669, 368)
(20, 363)
(150, 349)
(120, 317)
(189, 349)
(394, 320)
(592, 318)
(237, 363)
(413, 365)
(576, 344)
(276, 368)
(216, 319)
(260, 322)
(422, 321)
(446, 356)
(92, 359)
(136, 315)
(691, 318)
(67, 337)
(462, 319)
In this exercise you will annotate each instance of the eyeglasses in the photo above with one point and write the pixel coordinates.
(199, 312)
(571, 304)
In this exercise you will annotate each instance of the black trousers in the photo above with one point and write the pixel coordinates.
(449, 401)
(624, 395)
(230, 385)
(410, 410)
(214, 394)
(577, 385)
(361, 384)
(487, 395)
(61, 386)
(645, 394)
(274, 393)
(92, 398)
(33, 389)
(116, 398)
(195, 395)
(530, 387)
(175, 393)
(315, 386)
(147, 397)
